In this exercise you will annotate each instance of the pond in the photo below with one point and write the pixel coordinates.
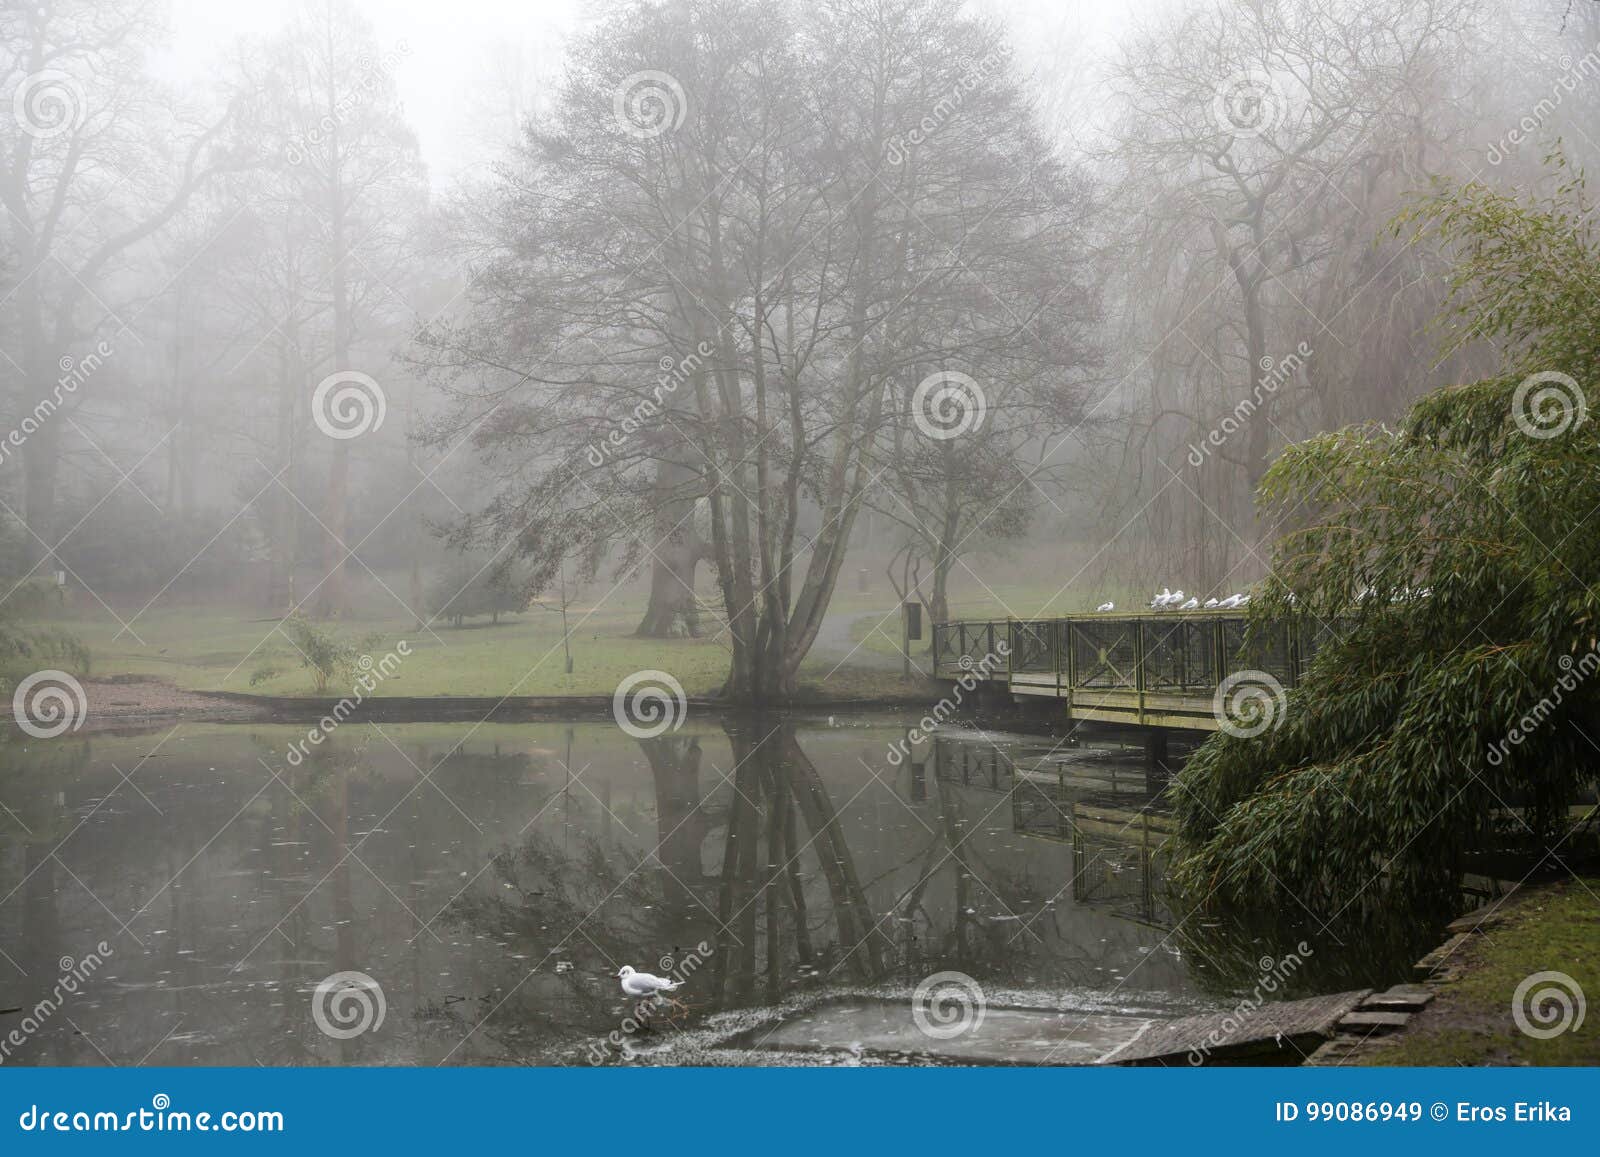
(466, 894)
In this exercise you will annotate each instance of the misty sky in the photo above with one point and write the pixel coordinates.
(453, 47)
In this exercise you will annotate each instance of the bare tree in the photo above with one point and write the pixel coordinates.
(350, 157)
(92, 131)
(764, 245)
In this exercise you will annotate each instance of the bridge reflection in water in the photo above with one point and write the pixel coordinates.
(1155, 670)
(1107, 802)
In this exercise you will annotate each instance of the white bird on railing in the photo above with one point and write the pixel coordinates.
(1191, 605)
(1231, 601)
(1106, 607)
(642, 983)
(1160, 600)
(1209, 603)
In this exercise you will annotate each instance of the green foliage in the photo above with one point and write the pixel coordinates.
(323, 652)
(469, 588)
(26, 649)
(1454, 566)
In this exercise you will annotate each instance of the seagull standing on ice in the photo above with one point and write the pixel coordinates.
(642, 983)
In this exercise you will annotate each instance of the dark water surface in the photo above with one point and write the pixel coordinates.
(487, 882)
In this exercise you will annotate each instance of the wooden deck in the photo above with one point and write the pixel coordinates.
(1156, 669)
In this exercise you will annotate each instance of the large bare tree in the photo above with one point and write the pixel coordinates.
(731, 306)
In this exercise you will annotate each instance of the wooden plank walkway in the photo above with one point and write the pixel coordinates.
(1282, 1032)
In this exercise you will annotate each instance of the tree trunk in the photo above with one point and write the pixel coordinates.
(676, 557)
(333, 599)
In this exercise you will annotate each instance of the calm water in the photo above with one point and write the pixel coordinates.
(490, 880)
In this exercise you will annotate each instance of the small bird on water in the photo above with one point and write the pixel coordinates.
(642, 983)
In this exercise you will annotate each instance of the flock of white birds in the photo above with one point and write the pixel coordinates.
(1175, 601)
(1169, 600)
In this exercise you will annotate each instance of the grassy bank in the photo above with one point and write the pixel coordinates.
(221, 649)
(1555, 928)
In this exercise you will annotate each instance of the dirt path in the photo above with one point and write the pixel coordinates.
(833, 644)
(125, 702)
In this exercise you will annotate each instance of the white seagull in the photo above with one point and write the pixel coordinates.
(1160, 600)
(1192, 604)
(1106, 607)
(1209, 603)
(642, 983)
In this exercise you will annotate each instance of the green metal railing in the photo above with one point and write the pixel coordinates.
(1157, 668)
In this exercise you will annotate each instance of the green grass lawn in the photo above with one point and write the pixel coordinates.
(219, 649)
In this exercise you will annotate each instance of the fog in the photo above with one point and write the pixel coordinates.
(704, 319)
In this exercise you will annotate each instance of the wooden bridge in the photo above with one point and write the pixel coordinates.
(1155, 669)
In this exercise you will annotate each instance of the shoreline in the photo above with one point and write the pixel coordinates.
(124, 703)
(1470, 1003)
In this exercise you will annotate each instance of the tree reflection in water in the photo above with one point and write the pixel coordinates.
(494, 879)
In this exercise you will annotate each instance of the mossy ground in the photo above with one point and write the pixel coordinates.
(1554, 928)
